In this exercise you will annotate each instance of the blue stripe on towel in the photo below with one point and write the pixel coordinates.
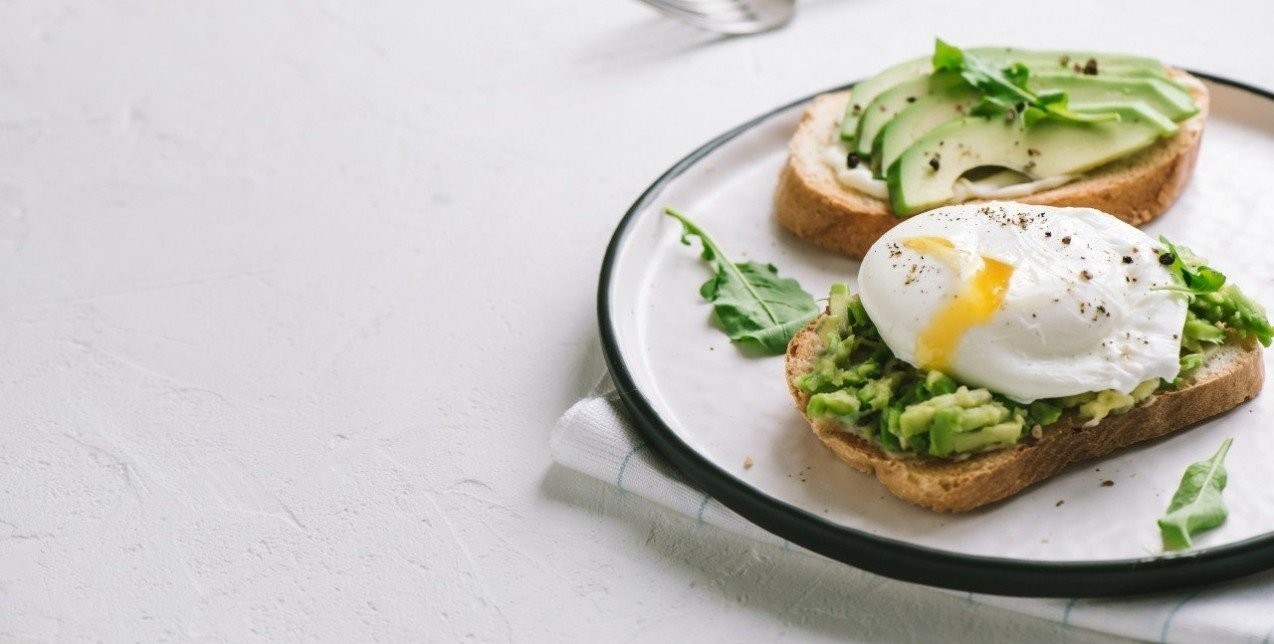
(1163, 633)
(619, 479)
(702, 506)
(1066, 614)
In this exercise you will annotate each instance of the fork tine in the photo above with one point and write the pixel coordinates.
(727, 16)
(709, 21)
(710, 5)
(683, 12)
(712, 8)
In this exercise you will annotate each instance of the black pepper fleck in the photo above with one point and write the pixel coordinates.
(933, 163)
(1090, 67)
(1127, 259)
(852, 160)
(1066, 240)
(1167, 259)
(1108, 483)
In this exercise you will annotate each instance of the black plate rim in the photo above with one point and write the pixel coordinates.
(890, 557)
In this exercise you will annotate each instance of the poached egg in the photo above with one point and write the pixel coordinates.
(1028, 301)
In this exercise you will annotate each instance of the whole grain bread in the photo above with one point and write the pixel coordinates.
(1232, 374)
(814, 205)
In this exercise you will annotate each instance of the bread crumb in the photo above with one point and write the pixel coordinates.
(747, 462)
(1037, 432)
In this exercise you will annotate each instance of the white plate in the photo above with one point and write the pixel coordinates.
(709, 407)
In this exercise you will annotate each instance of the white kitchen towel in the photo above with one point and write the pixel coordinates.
(596, 437)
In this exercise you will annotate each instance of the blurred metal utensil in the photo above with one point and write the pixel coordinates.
(728, 16)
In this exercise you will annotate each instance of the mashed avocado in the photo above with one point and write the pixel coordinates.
(858, 381)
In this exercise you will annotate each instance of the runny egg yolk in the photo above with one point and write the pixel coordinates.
(974, 304)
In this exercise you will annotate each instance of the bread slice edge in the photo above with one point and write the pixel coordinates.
(1231, 375)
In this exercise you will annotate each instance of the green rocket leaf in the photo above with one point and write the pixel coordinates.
(1004, 89)
(1197, 505)
(753, 305)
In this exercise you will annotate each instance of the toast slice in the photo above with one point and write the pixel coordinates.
(1230, 375)
(814, 205)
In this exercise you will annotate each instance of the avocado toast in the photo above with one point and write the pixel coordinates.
(991, 346)
(1231, 375)
(1125, 142)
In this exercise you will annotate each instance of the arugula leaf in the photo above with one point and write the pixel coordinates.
(1004, 90)
(1214, 305)
(1247, 316)
(1197, 505)
(1190, 270)
(753, 305)
(947, 56)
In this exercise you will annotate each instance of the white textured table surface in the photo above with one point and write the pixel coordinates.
(291, 294)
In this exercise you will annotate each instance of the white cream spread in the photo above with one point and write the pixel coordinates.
(1006, 185)
(1002, 185)
(859, 179)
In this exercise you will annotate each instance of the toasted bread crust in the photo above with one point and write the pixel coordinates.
(1232, 375)
(811, 203)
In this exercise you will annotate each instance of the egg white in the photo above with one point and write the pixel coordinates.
(1083, 311)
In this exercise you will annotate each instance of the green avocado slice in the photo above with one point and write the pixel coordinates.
(889, 103)
(1164, 96)
(1039, 62)
(911, 124)
(866, 91)
(924, 175)
(928, 112)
